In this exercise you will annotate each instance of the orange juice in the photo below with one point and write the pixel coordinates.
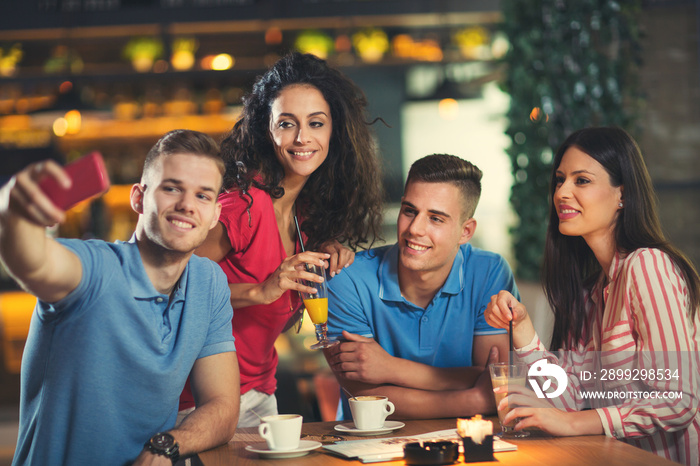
(317, 309)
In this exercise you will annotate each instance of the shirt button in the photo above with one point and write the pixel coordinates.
(424, 319)
(159, 300)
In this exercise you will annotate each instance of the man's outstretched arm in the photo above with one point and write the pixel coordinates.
(40, 264)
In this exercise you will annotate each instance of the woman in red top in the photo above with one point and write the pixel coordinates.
(625, 303)
(302, 150)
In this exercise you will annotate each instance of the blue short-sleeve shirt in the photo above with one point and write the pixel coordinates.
(366, 299)
(103, 368)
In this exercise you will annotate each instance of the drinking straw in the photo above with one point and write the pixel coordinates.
(301, 241)
(510, 337)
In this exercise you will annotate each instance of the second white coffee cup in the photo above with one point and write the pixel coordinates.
(282, 431)
(369, 412)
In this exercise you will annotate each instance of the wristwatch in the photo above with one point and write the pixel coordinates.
(164, 444)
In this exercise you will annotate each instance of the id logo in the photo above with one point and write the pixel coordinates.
(542, 368)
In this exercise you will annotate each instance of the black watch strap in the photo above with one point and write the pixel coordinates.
(164, 444)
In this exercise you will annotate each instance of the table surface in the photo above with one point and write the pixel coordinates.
(538, 449)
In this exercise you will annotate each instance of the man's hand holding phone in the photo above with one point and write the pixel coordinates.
(43, 191)
(88, 178)
(22, 195)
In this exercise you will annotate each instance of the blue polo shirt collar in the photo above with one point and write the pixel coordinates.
(389, 289)
(140, 283)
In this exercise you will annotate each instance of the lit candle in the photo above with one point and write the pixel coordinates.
(477, 439)
(476, 428)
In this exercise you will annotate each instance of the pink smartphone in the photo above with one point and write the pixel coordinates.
(89, 177)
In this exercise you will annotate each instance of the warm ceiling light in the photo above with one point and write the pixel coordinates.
(74, 122)
(222, 62)
(183, 49)
(448, 109)
(60, 127)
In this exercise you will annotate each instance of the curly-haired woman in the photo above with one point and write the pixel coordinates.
(301, 154)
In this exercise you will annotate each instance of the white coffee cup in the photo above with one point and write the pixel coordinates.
(282, 431)
(369, 412)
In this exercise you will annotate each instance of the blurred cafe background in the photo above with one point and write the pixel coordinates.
(500, 83)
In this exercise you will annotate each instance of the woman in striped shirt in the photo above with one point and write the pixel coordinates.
(625, 303)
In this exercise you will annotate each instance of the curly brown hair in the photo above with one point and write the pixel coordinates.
(342, 199)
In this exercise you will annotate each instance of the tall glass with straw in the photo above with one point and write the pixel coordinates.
(316, 303)
(509, 373)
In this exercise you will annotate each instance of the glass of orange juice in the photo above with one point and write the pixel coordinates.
(317, 307)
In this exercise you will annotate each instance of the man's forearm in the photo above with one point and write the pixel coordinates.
(410, 374)
(22, 246)
(363, 360)
(40, 264)
(210, 425)
(215, 385)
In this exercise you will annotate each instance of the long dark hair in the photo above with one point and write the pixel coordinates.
(342, 199)
(637, 226)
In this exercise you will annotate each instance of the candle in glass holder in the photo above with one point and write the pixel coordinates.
(477, 438)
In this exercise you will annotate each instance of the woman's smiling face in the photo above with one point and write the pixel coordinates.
(300, 129)
(586, 202)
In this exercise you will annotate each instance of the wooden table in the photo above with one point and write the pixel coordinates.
(538, 449)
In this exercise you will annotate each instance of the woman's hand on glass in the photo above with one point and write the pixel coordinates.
(535, 412)
(340, 256)
(290, 273)
(502, 309)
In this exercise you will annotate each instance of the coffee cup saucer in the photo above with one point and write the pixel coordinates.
(389, 426)
(305, 446)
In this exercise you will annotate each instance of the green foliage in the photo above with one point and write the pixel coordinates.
(571, 64)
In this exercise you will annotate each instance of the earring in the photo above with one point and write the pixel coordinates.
(620, 205)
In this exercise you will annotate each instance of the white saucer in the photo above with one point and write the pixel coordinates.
(388, 427)
(305, 446)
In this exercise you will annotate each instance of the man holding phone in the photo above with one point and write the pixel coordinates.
(118, 327)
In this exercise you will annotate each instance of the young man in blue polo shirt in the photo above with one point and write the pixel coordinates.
(412, 314)
(118, 327)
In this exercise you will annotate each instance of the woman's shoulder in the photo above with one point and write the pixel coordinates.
(650, 261)
(238, 201)
(242, 213)
(645, 254)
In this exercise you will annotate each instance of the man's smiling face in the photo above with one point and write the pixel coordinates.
(431, 227)
(178, 201)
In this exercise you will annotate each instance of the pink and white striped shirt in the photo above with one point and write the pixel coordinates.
(638, 322)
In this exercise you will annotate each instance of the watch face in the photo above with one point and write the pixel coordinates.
(162, 441)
